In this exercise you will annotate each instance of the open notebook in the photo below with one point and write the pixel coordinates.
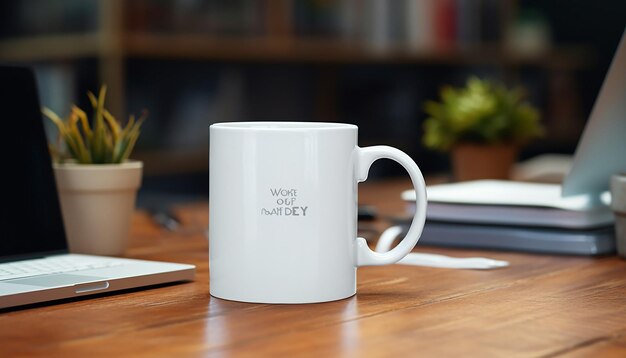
(513, 203)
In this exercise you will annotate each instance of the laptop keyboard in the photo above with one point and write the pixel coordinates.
(51, 265)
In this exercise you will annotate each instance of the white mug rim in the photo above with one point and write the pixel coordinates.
(282, 126)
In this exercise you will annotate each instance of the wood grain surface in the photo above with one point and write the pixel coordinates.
(541, 306)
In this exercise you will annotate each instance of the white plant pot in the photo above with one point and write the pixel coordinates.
(98, 202)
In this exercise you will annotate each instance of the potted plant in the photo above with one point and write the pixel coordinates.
(97, 183)
(483, 125)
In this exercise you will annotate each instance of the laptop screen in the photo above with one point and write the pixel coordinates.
(30, 216)
(601, 149)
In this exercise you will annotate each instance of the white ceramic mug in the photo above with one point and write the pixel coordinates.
(283, 211)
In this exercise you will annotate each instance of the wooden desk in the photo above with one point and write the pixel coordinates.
(540, 306)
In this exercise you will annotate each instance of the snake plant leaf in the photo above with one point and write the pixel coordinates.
(63, 130)
(54, 117)
(83, 121)
(113, 125)
(120, 147)
(92, 99)
(81, 151)
(131, 144)
(97, 145)
(99, 142)
(129, 125)
(130, 136)
(108, 148)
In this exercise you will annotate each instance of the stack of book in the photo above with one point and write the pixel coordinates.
(517, 216)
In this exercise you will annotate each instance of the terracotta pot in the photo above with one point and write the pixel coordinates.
(476, 161)
(98, 202)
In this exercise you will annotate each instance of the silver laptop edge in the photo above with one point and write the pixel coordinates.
(601, 150)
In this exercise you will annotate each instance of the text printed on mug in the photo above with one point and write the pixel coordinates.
(286, 201)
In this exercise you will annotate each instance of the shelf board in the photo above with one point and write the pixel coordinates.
(172, 161)
(268, 49)
(50, 47)
(260, 49)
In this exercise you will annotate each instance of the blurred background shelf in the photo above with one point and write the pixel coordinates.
(50, 47)
(372, 63)
(315, 51)
(321, 51)
(173, 161)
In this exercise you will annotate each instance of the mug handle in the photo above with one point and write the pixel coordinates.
(364, 159)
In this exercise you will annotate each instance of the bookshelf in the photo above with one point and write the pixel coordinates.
(315, 51)
(326, 35)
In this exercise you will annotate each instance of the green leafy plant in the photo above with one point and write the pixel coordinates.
(481, 112)
(104, 141)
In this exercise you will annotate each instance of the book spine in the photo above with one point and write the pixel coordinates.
(445, 30)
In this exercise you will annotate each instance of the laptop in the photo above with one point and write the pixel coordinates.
(35, 263)
(572, 218)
